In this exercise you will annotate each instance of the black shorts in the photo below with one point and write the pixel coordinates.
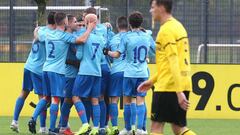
(165, 108)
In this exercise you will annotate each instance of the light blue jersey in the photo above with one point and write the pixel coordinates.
(37, 54)
(80, 31)
(103, 31)
(136, 46)
(152, 49)
(118, 64)
(57, 44)
(107, 34)
(91, 55)
(71, 71)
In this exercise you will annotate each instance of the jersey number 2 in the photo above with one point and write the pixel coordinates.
(51, 55)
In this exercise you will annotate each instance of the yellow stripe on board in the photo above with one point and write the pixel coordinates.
(216, 91)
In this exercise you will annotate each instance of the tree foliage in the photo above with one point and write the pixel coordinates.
(41, 13)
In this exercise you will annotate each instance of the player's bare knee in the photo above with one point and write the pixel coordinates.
(127, 100)
(140, 100)
(101, 98)
(114, 99)
(94, 101)
(55, 100)
(24, 94)
(177, 130)
(157, 127)
(40, 97)
(75, 99)
(47, 98)
(68, 100)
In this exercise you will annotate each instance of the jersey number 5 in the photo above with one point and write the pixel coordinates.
(35, 47)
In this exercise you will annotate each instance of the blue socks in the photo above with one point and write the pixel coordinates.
(53, 115)
(96, 115)
(103, 113)
(39, 108)
(65, 111)
(127, 116)
(145, 119)
(113, 111)
(140, 115)
(43, 117)
(133, 114)
(88, 107)
(81, 111)
(18, 108)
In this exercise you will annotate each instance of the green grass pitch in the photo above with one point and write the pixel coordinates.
(201, 127)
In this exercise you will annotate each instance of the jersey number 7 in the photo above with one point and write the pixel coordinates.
(95, 47)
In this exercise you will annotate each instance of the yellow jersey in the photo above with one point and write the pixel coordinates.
(172, 58)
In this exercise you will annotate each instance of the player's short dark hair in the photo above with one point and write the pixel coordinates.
(70, 17)
(90, 10)
(50, 18)
(135, 19)
(122, 22)
(59, 18)
(168, 4)
(80, 18)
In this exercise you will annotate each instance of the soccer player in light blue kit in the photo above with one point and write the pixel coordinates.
(57, 43)
(104, 31)
(88, 80)
(151, 54)
(115, 89)
(136, 46)
(32, 78)
(72, 65)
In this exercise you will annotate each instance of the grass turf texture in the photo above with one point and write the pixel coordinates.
(201, 127)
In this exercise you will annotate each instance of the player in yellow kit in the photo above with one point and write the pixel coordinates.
(172, 80)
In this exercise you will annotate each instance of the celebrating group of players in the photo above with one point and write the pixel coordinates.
(83, 63)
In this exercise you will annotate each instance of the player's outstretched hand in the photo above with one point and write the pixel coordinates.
(105, 51)
(182, 101)
(145, 86)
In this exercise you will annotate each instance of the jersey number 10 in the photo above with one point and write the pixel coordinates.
(137, 54)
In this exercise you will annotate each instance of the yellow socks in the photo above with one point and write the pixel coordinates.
(188, 132)
(155, 134)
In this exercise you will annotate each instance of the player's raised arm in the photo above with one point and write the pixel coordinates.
(35, 33)
(91, 21)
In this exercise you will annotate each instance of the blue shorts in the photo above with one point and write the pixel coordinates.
(68, 87)
(116, 85)
(87, 86)
(105, 79)
(130, 86)
(53, 84)
(32, 81)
